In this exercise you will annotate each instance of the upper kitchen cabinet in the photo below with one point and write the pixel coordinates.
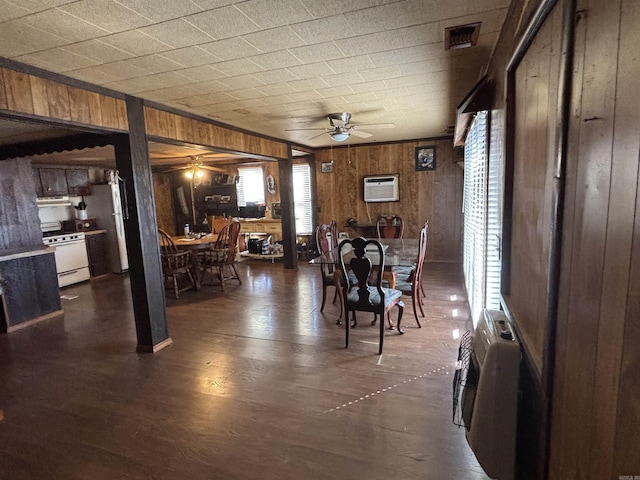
(53, 182)
(37, 182)
(78, 181)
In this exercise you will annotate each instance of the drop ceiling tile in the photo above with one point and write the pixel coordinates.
(269, 14)
(323, 29)
(40, 5)
(210, 87)
(328, 8)
(270, 77)
(64, 25)
(209, 4)
(335, 91)
(277, 100)
(161, 10)
(400, 56)
(277, 89)
(384, 17)
(17, 38)
(201, 73)
(170, 93)
(177, 33)
(366, 87)
(243, 81)
(240, 66)
(225, 22)
(190, 56)
(348, 78)
(120, 70)
(305, 96)
(308, 84)
(136, 43)
(360, 97)
(273, 60)
(93, 75)
(231, 48)
(59, 60)
(381, 73)
(319, 52)
(99, 51)
(152, 64)
(9, 11)
(246, 93)
(274, 39)
(350, 64)
(311, 70)
(106, 14)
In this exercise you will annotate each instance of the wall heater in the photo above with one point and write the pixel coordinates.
(485, 393)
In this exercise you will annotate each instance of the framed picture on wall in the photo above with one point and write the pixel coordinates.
(425, 158)
(326, 167)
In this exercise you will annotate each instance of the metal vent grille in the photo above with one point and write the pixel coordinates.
(462, 36)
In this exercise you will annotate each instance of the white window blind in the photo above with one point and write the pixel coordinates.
(250, 187)
(302, 204)
(481, 223)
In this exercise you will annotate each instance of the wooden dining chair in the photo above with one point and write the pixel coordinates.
(326, 238)
(390, 226)
(361, 274)
(175, 263)
(220, 260)
(410, 283)
(406, 273)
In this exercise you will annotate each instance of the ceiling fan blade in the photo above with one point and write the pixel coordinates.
(302, 129)
(316, 136)
(360, 133)
(374, 126)
(213, 169)
(172, 169)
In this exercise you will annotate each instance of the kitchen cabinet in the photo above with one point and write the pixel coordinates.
(97, 253)
(53, 182)
(37, 182)
(77, 181)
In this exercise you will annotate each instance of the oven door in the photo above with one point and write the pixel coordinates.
(72, 262)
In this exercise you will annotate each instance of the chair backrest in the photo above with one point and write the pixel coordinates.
(218, 222)
(365, 261)
(228, 240)
(390, 226)
(422, 250)
(167, 245)
(326, 237)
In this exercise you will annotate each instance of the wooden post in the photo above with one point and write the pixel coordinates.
(141, 229)
(285, 172)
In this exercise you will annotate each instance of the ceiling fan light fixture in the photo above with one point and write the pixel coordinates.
(188, 174)
(340, 134)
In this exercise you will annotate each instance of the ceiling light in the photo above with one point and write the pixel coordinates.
(199, 173)
(340, 135)
(189, 174)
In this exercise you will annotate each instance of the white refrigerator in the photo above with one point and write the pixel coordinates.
(105, 205)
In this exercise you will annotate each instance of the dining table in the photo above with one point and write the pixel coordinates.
(194, 245)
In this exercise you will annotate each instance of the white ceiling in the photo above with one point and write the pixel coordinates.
(267, 65)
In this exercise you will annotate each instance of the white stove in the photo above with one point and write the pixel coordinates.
(72, 262)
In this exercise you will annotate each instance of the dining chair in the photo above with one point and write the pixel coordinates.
(362, 288)
(220, 260)
(410, 283)
(406, 272)
(390, 226)
(326, 240)
(175, 263)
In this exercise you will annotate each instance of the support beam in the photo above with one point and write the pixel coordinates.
(285, 172)
(141, 228)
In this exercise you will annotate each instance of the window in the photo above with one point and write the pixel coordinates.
(302, 204)
(481, 261)
(250, 188)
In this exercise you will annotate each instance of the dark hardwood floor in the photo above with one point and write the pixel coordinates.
(256, 385)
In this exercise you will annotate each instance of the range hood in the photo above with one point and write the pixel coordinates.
(62, 201)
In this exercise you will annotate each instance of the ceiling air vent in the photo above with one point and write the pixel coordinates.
(462, 36)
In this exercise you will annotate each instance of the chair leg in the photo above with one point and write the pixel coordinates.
(400, 312)
(324, 295)
(176, 291)
(381, 334)
(236, 276)
(415, 301)
(335, 295)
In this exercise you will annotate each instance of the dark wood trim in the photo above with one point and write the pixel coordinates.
(33, 321)
(58, 77)
(141, 228)
(288, 218)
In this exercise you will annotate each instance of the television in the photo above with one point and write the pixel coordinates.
(382, 188)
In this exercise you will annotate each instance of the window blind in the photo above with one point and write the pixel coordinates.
(302, 204)
(250, 188)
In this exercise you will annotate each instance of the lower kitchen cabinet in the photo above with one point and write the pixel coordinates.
(97, 253)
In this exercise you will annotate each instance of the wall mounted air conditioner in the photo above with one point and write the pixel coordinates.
(485, 393)
(383, 188)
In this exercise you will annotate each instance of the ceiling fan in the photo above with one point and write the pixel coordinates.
(195, 169)
(341, 129)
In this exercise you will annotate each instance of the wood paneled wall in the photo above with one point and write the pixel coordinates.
(596, 426)
(169, 125)
(31, 95)
(595, 422)
(425, 195)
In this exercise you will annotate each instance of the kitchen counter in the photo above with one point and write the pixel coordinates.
(94, 232)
